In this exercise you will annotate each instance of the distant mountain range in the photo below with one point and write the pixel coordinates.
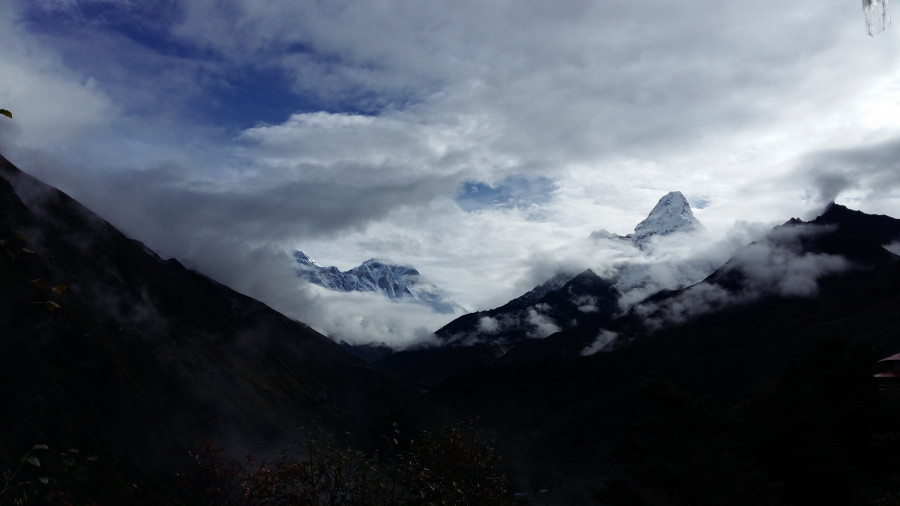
(565, 301)
(540, 325)
(399, 283)
(781, 341)
(672, 215)
(753, 382)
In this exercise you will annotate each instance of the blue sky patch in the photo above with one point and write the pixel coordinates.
(510, 192)
(146, 22)
(248, 96)
(701, 202)
(231, 95)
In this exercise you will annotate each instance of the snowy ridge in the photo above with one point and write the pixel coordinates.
(649, 264)
(672, 214)
(396, 282)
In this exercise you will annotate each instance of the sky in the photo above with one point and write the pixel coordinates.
(480, 141)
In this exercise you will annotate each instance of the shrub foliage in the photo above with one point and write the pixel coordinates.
(447, 467)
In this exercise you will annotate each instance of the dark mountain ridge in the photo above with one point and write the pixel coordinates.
(571, 413)
(480, 339)
(840, 240)
(831, 253)
(108, 348)
(765, 396)
(860, 236)
(568, 298)
(585, 295)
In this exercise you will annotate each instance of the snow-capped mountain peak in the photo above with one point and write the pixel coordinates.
(671, 214)
(303, 259)
(396, 282)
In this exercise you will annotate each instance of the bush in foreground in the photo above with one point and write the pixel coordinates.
(450, 466)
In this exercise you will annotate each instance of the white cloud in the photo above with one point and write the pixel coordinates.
(363, 318)
(775, 265)
(356, 317)
(604, 339)
(52, 105)
(540, 323)
(391, 105)
(488, 325)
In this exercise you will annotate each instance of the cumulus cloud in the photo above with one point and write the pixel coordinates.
(361, 318)
(540, 324)
(779, 266)
(357, 318)
(603, 341)
(353, 130)
(868, 173)
(775, 265)
(534, 322)
(586, 304)
(38, 87)
(679, 260)
(488, 325)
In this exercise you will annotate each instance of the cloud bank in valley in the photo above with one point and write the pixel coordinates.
(773, 265)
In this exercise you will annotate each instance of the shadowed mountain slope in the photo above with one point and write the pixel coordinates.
(564, 417)
(756, 382)
(106, 347)
(478, 340)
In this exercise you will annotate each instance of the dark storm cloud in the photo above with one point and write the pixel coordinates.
(873, 170)
(184, 210)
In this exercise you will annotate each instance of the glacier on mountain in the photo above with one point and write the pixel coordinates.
(399, 283)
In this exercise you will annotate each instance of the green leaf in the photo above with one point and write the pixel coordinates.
(33, 461)
(40, 447)
(6, 113)
(44, 479)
